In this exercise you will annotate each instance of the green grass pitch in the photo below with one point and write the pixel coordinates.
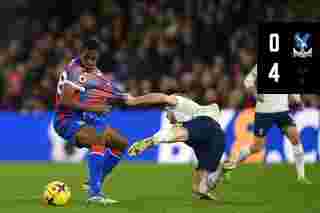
(149, 188)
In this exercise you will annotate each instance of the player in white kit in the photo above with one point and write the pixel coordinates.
(192, 124)
(271, 109)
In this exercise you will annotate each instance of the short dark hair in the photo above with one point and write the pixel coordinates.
(91, 44)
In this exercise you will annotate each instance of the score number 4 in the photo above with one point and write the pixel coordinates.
(274, 47)
(274, 72)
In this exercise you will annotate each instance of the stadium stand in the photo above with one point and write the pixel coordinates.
(203, 48)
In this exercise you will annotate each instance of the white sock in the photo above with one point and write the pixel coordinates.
(203, 186)
(213, 177)
(299, 159)
(244, 154)
(165, 135)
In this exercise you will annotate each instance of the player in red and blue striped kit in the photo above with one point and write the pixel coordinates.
(83, 101)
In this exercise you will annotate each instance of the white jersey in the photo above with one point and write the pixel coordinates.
(186, 109)
(273, 103)
(270, 103)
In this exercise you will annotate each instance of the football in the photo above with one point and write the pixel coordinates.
(57, 193)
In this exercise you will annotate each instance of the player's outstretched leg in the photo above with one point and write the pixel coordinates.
(140, 146)
(234, 159)
(170, 134)
(262, 123)
(245, 153)
(115, 140)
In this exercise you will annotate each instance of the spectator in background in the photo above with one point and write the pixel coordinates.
(133, 87)
(247, 58)
(3, 62)
(150, 46)
(88, 25)
(145, 86)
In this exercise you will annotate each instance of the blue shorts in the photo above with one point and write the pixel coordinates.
(69, 127)
(264, 121)
(207, 139)
(99, 122)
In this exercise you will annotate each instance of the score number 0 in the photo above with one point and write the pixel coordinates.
(274, 42)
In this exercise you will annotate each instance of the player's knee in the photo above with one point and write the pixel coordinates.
(88, 135)
(124, 143)
(115, 140)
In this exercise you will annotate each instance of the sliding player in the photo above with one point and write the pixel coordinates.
(194, 125)
(270, 109)
(82, 90)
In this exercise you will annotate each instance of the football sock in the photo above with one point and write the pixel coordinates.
(165, 135)
(213, 177)
(112, 158)
(203, 186)
(299, 159)
(95, 166)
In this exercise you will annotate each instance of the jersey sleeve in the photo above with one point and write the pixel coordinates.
(251, 78)
(73, 75)
(186, 106)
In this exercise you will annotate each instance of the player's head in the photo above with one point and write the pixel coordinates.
(89, 54)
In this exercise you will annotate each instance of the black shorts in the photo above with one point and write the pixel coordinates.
(264, 121)
(207, 139)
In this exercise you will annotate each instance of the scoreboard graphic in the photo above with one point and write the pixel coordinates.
(288, 57)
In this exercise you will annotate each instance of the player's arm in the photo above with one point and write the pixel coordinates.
(180, 103)
(151, 99)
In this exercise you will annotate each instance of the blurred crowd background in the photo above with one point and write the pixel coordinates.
(203, 48)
